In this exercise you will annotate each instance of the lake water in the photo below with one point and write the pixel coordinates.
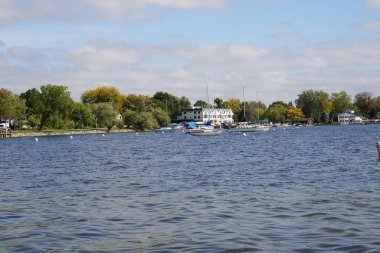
(294, 190)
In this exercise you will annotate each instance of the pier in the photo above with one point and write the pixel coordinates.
(5, 133)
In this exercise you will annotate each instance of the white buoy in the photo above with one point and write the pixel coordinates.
(36, 139)
(71, 137)
(244, 134)
(103, 135)
(137, 133)
(163, 132)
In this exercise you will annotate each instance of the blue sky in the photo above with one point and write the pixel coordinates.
(275, 47)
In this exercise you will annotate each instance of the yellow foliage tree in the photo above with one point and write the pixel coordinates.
(294, 114)
(104, 94)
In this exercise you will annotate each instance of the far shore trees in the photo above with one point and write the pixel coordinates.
(51, 107)
(105, 115)
(11, 106)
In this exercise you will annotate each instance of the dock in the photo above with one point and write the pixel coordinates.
(5, 133)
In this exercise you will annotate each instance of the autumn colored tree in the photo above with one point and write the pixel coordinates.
(366, 104)
(294, 114)
(104, 94)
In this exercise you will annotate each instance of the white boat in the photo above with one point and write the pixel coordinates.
(205, 130)
(164, 129)
(245, 127)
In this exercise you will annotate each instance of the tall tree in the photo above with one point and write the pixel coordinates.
(201, 103)
(82, 115)
(11, 106)
(366, 104)
(105, 115)
(235, 105)
(314, 103)
(218, 102)
(276, 112)
(294, 114)
(104, 94)
(254, 110)
(51, 106)
(340, 102)
(174, 104)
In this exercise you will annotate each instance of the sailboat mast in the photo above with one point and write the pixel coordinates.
(258, 107)
(245, 119)
(167, 119)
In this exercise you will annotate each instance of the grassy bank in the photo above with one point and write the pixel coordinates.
(57, 132)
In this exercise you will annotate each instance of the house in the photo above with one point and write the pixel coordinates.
(349, 117)
(203, 115)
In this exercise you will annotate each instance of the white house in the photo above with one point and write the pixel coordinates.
(349, 117)
(217, 116)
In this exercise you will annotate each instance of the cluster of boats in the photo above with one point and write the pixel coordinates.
(209, 130)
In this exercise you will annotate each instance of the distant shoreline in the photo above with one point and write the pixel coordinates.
(20, 134)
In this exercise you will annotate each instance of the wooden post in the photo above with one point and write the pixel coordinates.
(378, 149)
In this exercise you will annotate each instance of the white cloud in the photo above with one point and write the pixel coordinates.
(275, 74)
(371, 26)
(373, 4)
(72, 10)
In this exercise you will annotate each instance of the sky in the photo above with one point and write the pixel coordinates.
(275, 49)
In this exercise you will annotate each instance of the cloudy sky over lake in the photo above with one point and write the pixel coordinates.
(275, 47)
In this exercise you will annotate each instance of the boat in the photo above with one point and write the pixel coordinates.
(164, 129)
(205, 130)
(246, 126)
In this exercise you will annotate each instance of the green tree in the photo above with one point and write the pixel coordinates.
(340, 102)
(51, 107)
(235, 105)
(201, 103)
(366, 104)
(173, 104)
(218, 103)
(104, 94)
(276, 112)
(11, 106)
(82, 115)
(314, 103)
(140, 120)
(254, 110)
(140, 103)
(105, 115)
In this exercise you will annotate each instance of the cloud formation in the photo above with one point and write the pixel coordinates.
(373, 4)
(276, 74)
(72, 10)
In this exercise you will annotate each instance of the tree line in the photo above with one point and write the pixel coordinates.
(51, 107)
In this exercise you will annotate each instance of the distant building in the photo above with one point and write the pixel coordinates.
(217, 116)
(349, 117)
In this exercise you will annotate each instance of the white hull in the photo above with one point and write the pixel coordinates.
(249, 128)
(206, 132)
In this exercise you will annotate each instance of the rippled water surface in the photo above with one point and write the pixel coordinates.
(301, 190)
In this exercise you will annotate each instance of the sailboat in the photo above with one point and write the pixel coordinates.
(166, 127)
(206, 129)
(245, 126)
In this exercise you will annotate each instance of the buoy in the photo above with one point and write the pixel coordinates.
(71, 137)
(378, 149)
(103, 135)
(36, 139)
(137, 133)
(163, 132)
(244, 134)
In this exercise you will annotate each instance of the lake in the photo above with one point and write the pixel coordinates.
(300, 189)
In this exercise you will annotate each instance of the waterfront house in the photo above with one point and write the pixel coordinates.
(349, 117)
(203, 115)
